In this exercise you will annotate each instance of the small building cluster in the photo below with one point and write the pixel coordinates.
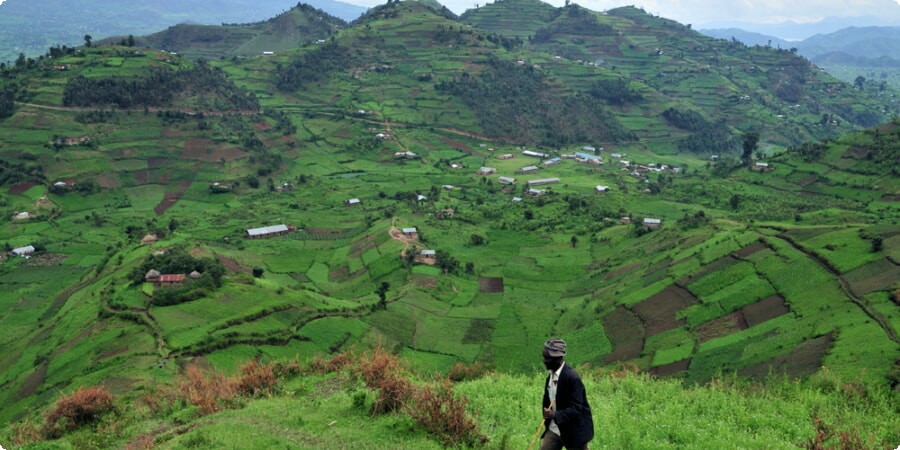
(169, 280)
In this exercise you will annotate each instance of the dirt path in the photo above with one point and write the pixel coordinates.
(397, 235)
(878, 318)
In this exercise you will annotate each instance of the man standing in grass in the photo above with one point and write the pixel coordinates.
(567, 414)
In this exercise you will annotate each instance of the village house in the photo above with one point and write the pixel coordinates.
(652, 224)
(352, 202)
(601, 189)
(588, 149)
(169, 280)
(149, 239)
(457, 166)
(447, 187)
(24, 252)
(516, 199)
(152, 276)
(486, 171)
(615, 155)
(762, 167)
(528, 169)
(410, 232)
(536, 192)
(428, 255)
(270, 231)
(421, 198)
(543, 181)
(553, 161)
(535, 154)
(195, 275)
(568, 156)
(506, 156)
(625, 220)
(268, 53)
(506, 180)
(24, 215)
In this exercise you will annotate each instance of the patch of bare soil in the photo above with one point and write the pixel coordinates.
(361, 246)
(658, 312)
(886, 274)
(890, 198)
(764, 310)
(232, 265)
(666, 370)
(171, 198)
(21, 188)
(803, 360)
(426, 281)
(625, 332)
(714, 266)
(722, 326)
(621, 271)
(486, 284)
(108, 182)
(33, 381)
(750, 249)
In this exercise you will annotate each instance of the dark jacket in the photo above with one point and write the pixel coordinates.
(573, 413)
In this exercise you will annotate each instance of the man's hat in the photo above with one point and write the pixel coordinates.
(555, 347)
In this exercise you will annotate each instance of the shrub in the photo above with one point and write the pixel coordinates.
(79, 408)
(382, 371)
(444, 415)
(462, 372)
(206, 391)
(257, 378)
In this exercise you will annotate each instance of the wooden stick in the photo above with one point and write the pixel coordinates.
(538, 432)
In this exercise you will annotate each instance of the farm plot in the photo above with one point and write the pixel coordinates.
(658, 312)
(626, 333)
(803, 360)
(874, 276)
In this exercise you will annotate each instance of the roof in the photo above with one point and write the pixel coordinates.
(652, 221)
(588, 148)
(410, 230)
(487, 170)
(538, 154)
(507, 179)
(602, 188)
(352, 201)
(23, 250)
(536, 191)
(152, 273)
(267, 230)
(516, 199)
(586, 155)
(428, 253)
(544, 181)
(528, 168)
(171, 278)
(421, 198)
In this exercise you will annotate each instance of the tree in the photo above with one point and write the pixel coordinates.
(476, 239)
(877, 244)
(859, 82)
(87, 40)
(257, 272)
(382, 294)
(750, 143)
(130, 41)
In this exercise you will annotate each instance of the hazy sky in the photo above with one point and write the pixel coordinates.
(698, 12)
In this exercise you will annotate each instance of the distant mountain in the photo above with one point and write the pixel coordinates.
(32, 26)
(866, 42)
(288, 30)
(792, 31)
(748, 37)
(344, 11)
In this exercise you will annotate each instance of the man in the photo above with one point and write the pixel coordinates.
(567, 414)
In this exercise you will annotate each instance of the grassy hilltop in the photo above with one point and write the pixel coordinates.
(772, 257)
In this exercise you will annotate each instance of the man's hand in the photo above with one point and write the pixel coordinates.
(549, 414)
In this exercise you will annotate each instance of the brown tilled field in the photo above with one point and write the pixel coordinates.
(750, 249)
(765, 309)
(671, 368)
(722, 326)
(875, 276)
(490, 284)
(625, 332)
(658, 312)
(803, 360)
(21, 188)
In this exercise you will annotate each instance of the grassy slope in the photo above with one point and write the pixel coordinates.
(552, 287)
(629, 411)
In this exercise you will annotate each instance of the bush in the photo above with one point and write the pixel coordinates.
(444, 415)
(82, 407)
(257, 378)
(206, 391)
(382, 371)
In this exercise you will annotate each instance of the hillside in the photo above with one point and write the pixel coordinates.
(776, 255)
(319, 408)
(299, 25)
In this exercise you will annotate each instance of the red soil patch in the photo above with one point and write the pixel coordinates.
(427, 281)
(262, 126)
(658, 312)
(108, 182)
(33, 381)
(232, 265)
(621, 271)
(890, 198)
(765, 309)
(486, 284)
(723, 326)
(204, 150)
(750, 249)
(625, 332)
(803, 360)
(457, 145)
(171, 198)
(666, 370)
(21, 188)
